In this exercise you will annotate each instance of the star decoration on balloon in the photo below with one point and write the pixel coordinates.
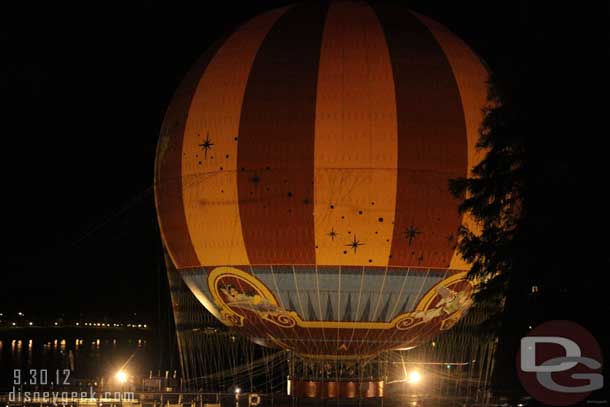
(355, 244)
(411, 233)
(332, 234)
(206, 145)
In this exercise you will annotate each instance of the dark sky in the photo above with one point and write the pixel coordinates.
(83, 92)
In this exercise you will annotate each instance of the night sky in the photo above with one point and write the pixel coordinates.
(84, 91)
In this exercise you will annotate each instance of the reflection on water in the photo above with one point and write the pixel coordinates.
(103, 356)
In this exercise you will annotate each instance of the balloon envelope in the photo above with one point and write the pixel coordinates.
(302, 177)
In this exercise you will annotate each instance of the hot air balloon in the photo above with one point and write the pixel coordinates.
(302, 176)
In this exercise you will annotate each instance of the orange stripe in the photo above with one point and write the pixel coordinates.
(209, 178)
(431, 142)
(168, 169)
(471, 77)
(356, 140)
(276, 141)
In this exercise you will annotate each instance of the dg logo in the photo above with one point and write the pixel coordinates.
(559, 363)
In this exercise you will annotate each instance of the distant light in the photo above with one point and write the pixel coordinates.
(20, 314)
(55, 324)
(121, 377)
(139, 325)
(414, 377)
(77, 324)
(145, 326)
(13, 324)
(31, 323)
(237, 390)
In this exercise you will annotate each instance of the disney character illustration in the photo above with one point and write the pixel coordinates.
(450, 303)
(252, 302)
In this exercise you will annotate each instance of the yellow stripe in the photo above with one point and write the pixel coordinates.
(471, 77)
(356, 140)
(209, 180)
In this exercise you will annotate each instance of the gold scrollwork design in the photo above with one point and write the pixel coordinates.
(405, 323)
(231, 318)
(451, 321)
(281, 319)
(408, 322)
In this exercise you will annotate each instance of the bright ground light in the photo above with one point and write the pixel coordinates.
(121, 376)
(414, 377)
